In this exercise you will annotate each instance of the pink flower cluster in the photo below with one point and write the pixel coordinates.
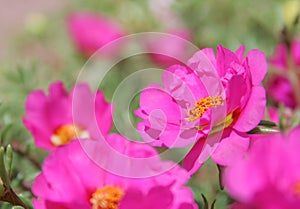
(210, 105)
(91, 32)
(74, 127)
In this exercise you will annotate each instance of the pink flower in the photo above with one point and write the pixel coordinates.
(281, 91)
(280, 57)
(211, 94)
(90, 32)
(70, 179)
(269, 176)
(60, 117)
(171, 48)
(279, 88)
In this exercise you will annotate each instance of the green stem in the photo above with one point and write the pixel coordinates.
(3, 173)
(11, 197)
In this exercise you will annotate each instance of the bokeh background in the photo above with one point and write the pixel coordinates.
(36, 50)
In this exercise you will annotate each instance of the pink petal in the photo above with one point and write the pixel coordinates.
(190, 162)
(240, 53)
(91, 32)
(258, 65)
(230, 149)
(253, 112)
(234, 96)
(225, 58)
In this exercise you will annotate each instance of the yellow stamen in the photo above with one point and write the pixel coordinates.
(202, 105)
(65, 133)
(107, 197)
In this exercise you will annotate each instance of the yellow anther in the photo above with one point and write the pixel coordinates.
(107, 197)
(65, 133)
(202, 105)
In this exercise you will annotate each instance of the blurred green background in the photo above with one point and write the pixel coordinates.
(36, 50)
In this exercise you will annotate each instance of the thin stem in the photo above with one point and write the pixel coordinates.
(11, 197)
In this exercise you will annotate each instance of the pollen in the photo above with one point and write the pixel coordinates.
(107, 197)
(202, 105)
(66, 133)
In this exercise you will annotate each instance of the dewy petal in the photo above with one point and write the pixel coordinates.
(258, 65)
(253, 112)
(230, 149)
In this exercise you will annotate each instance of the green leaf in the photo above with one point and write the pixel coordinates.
(213, 204)
(9, 158)
(3, 172)
(267, 123)
(205, 202)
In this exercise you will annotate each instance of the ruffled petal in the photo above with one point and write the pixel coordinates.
(253, 112)
(258, 65)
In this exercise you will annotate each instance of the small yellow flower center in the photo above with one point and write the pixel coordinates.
(202, 105)
(65, 133)
(107, 197)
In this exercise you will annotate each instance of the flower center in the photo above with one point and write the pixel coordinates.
(65, 133)
(107, 197)
(202, 105)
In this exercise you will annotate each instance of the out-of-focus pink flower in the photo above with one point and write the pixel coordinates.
(269, 176)
(273, 115)
(279, 87)
(281, 91)
(60, 117)
(280, 57)
(180, 112)
(170, 49)
(90, 32)
(70, 179)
